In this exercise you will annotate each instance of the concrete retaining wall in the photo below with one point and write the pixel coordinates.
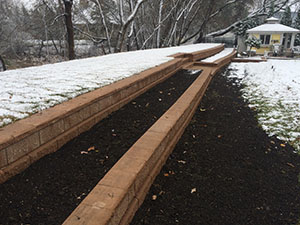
(27, 140)
(116, 198)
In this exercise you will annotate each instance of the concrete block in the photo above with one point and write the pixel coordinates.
(121, 180)
(109, 198)
(3, 158)
(135, 166)
(66, 137)
(76, 118)
(129, 214)
(85, 214)
(16, 167)
(23, 147)
(52, 131)
(86, 125)
(42, 151)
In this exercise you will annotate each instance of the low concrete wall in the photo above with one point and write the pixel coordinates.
(116, 198)
(199, 55)
(27, 140)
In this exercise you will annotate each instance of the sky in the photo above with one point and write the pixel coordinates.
(27, 3)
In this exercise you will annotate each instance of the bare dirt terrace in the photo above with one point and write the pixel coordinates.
(225, 170)
(50, 189)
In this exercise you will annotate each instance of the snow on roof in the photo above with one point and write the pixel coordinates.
(273, 19)
(30, 90)
(273, 28)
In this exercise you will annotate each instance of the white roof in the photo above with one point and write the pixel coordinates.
(273, 28)
(272, 19)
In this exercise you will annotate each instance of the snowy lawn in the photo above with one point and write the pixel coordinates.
(273, 89)
(26, 91)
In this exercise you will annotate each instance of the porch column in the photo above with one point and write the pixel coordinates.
(281, 39)
(293, 40)
(286, 41)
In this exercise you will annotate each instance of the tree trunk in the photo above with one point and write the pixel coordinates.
(161, 4)
(105, 26)
(2, 64)
(70, 29)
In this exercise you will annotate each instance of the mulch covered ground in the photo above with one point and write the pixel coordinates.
(225, 170)
(48, 191)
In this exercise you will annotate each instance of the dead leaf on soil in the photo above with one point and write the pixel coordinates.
(193, 190)
(91, 148)
(84, 152)
(181, 161)
(272, 142)
(291, 165)
(219, 136)
(166, 174)
(154, 197)
(161, 192)
(147, 104)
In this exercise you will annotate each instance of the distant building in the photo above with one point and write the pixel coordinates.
(274, 36)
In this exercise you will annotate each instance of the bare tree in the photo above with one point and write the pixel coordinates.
(69, 25)
(2, 65)
(259, 9)
(126, 23)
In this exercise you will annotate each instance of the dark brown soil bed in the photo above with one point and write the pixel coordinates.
(49, 190)
(225, 170)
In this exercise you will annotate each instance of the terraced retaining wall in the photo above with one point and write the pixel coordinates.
(27, 140)
(117, 196)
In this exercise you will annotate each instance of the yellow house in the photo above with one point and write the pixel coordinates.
(273, 36)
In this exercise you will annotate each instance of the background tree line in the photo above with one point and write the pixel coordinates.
(121, 25)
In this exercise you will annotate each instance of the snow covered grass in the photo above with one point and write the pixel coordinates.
(26, 91)
(273, 89)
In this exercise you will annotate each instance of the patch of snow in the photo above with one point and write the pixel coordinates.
(26, 91)
(220, 55)
(273, 89)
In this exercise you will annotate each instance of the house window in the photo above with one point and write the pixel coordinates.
(265, 39)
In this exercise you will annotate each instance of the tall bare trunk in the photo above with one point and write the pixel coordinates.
(105, 26)
(70, 29)
(159, 23)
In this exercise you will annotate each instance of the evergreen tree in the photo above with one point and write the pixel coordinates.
(271, 10)
(297, 26)
(252, 42)
(241, 29)
(287, 17)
